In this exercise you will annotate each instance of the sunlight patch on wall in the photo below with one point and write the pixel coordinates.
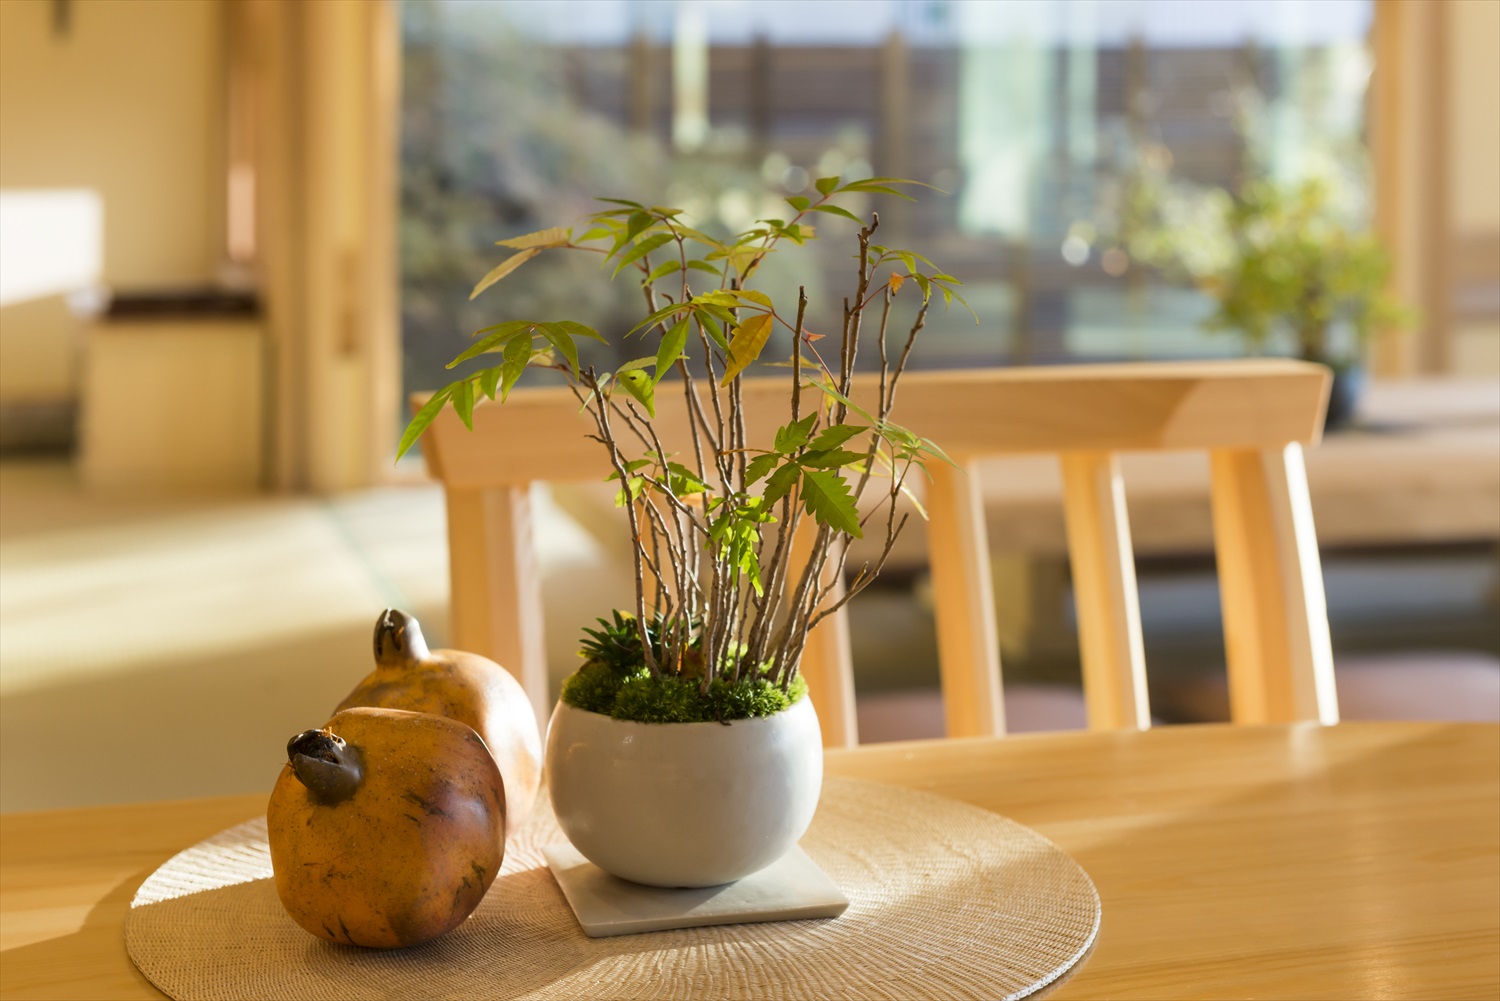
(51, 242)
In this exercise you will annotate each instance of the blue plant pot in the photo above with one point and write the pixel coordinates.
(1343, 399)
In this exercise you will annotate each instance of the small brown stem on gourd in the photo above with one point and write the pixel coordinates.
(398, 639)
(329, 768)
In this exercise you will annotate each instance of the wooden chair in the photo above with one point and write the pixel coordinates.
(1253, 417)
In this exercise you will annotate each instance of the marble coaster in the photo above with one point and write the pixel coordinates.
(787, 890)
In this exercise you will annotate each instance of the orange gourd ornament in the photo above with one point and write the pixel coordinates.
(386, 827)
(466, 687)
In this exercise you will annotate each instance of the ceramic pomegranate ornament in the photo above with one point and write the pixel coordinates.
(386, 827)
(463, 686)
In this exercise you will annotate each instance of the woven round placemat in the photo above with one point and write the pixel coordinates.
(945, 900)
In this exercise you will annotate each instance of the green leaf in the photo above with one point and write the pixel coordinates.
(630, 467)
(684, 482)
(799, 203)
(897, 180)
(502, 332)
(836, 210)
(719, 312)
(831, 459)
(718, 297)
(800, 233)
(748, 342)
(634, 485)
(754, 296)
(827, 390)
(826, 185)
(794, 436)
(636, 364)
(657, 317)
(517, 355)
(562, 341)
(882, 189)
(760, 466)
(554, 236)
(661, 271)
(463, 402)
(671, 347)
(714, 330)
(580, 330)
(826, 497)
(705, 266)
(424, 417)
(637, 223)
(781, 483)
(504, 268)
(641, 386)
(621, 201)
(489, 381)
(950, 295)
(835, 436)
(640, 250)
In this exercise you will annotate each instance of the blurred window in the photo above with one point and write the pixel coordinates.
(1033, 114)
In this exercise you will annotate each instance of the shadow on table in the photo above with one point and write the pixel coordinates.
(1275, 881)
(100, 935)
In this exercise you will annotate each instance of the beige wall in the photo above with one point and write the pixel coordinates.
(1474, 86)
(1474, 172)
(127, 104)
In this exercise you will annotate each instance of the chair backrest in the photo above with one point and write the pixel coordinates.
(1252, 416)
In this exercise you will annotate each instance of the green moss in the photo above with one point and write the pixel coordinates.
(643, 698)
(592, 687)
(614, 681)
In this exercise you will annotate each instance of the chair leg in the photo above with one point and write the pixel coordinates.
(496, 599)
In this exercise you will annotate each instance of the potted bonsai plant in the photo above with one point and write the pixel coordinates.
(1280, 261)
(684, 751)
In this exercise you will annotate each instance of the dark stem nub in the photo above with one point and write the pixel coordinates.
(329, 768)
(398, 639)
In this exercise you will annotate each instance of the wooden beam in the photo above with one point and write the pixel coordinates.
(1169, 405)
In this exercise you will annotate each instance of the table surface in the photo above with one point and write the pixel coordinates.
(1361, 860)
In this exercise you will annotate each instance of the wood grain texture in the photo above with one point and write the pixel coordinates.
(496, 587)
(538, 434)
(1109, 611)
(1271, 588)
(1361, 860)
(964, 604)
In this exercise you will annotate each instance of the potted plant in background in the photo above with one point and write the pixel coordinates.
(684, 751)
(1284, 262)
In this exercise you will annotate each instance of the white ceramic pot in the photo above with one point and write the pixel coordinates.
(684, 804)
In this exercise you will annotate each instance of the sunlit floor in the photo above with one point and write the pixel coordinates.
(160, 648)
(155, 648)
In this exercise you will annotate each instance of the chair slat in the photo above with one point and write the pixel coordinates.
(1271, 588)
(1109, 613)
(826, 660)
(495, 601)
(964, 603)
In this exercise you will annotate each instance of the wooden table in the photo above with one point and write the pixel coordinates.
(1361, 860)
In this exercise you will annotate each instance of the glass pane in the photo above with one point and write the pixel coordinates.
(1035, 116)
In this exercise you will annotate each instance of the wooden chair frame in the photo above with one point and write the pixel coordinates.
(1252, 416)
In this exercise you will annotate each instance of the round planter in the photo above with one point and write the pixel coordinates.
(1343, 397)
(684, 804)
